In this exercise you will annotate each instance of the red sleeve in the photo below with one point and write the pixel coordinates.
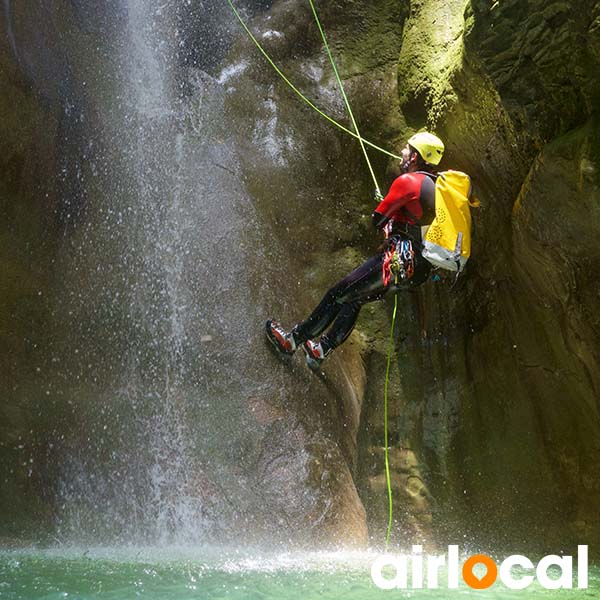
(404, 190)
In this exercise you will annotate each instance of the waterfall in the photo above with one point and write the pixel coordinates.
(151, 172)
(154, 280)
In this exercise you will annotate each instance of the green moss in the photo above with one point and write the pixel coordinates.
(432, 51)
(375, 38)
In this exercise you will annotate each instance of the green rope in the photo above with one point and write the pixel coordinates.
(390, 348)
(362, 141)
(385, 422)
(339, 80)
(298, 92)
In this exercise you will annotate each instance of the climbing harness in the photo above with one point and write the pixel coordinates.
(403, 260)
(398, 261)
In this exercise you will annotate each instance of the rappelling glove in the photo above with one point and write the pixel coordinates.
(379, 221)
(378, 196)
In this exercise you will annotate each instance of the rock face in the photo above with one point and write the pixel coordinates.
(495, 412)
(138, 278)
(28, 161)
(514, 352)
(494, 417)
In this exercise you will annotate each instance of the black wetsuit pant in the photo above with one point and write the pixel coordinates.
(342, 303)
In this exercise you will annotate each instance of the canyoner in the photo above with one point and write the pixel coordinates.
(426, 222)
(399, 264)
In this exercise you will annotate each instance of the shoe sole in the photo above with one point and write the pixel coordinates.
(312, 363)
(281, 353)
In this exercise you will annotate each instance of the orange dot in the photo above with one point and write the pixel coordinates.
(487, 580)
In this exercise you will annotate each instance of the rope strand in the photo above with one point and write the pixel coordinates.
(362, 142)
(298, 92)
(339, 80)
(385, 425)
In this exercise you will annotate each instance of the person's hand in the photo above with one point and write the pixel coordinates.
(378, 196)
(386, 245)
(387, 228)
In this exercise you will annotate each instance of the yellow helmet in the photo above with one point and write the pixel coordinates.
(429, 146)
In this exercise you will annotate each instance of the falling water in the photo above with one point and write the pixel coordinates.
(153, 365)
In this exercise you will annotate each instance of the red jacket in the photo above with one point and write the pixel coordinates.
(409, 197)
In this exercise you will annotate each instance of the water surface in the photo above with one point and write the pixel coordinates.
(179, 574)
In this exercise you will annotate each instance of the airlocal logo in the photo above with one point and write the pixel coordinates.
(424, 570)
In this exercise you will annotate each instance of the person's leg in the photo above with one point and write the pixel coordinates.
(342, 326)
(286, 342)
(359, 290)
(341, 306)
(367, 288)
(335, 299)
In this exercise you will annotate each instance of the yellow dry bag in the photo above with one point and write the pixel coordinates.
(447, 243)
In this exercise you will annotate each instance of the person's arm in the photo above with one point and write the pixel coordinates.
(397, 196)
(379, 220)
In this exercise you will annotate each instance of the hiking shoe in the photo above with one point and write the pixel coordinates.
(282, 341)
(315, 353)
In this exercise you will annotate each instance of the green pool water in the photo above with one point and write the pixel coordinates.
(180, 574)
